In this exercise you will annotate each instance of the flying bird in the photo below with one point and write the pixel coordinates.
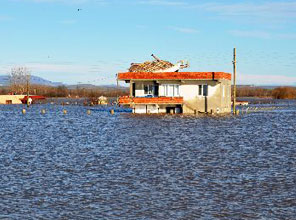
(79, 9)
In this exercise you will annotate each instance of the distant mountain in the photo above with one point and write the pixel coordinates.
(39, 80)
(4, 81)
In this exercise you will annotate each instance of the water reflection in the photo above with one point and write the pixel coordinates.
(98, 166)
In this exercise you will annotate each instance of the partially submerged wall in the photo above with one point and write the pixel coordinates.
(11, 99)
(218, 99)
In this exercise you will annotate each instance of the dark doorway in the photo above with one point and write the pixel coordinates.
(170, 109)
(133, 89)
(156, 89)
(179, 109)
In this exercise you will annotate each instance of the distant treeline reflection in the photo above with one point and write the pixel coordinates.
(276, 93)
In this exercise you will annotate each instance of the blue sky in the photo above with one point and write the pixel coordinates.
(59, 43)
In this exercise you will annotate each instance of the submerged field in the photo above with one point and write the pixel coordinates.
(125, 166)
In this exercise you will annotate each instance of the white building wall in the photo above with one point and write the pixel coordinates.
(212, 89)
(139, 92)
(152, 109)
(149, 108)
(161, 90)
(189, 92)
(162, 110)
(15, 99)
(140, 109)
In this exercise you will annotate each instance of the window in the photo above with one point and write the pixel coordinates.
(171, 90)
(176, 90)
(199, 89)
(148, 89)
(205, 90)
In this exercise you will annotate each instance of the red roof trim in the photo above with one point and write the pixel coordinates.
(174, 76)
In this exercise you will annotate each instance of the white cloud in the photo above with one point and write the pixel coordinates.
(5, 18)
(70, 73)
(266, 79)
(66, 1)
(289, 36)
(54, 68)
(266, 9)
(262, 34)
(251, 33)
(163, 2)
(183, 29)
(284, 9)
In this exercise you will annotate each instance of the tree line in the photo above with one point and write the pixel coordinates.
(63, 91)
(284, 92)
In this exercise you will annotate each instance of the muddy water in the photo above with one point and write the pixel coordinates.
(98, 166)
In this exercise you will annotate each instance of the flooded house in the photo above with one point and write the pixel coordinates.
(163, 91)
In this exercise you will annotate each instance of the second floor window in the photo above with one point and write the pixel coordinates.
(148, 89)
(203, 90)
(199, 89)
(171, 90)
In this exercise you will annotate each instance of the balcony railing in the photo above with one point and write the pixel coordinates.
(124, 100)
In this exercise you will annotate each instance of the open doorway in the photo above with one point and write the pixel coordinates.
(174, 110)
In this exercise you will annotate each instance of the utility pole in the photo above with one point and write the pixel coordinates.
(27, 81)
(117, 98)
(234, 81)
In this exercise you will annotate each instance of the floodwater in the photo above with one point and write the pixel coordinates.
(124, 166)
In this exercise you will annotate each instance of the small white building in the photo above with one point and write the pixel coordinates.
(178, 92)
(11, 99)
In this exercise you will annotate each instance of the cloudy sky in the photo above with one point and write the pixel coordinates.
(59, 43)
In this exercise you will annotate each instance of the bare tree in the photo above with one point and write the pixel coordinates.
(20, 80)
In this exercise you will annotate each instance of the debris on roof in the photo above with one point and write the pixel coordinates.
(156, 65)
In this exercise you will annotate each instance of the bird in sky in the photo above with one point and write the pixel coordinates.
(79, 9)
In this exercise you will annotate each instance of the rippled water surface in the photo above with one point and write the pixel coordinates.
(99, 166)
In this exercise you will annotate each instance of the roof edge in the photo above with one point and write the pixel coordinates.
(174, 76)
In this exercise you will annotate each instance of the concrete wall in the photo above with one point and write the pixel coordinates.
(149, 108)
(217, 101)
(15, 99)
